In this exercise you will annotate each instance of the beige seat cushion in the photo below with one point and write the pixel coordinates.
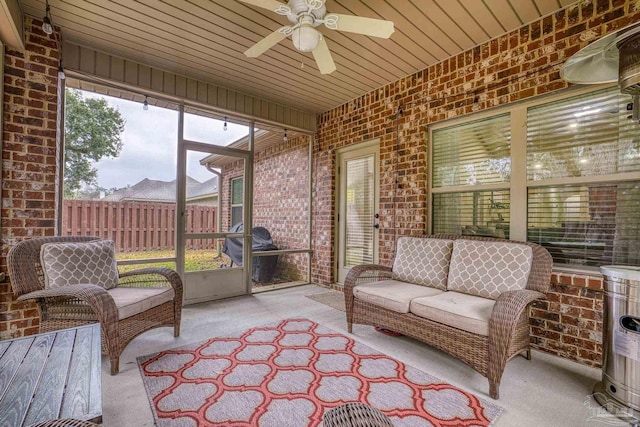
(132, 301)
(462, 311)
(423, 261)
(487, 269)
(392, 294)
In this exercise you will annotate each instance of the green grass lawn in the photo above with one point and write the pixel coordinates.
(195, 260)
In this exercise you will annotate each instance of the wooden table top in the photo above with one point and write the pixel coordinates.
(51, 375)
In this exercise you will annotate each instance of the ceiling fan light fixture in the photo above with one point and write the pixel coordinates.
(305, 38)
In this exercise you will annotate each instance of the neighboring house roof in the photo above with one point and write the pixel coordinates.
(164, 191)
(199, 190)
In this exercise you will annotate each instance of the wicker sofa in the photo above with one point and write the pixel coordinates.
(468, 296)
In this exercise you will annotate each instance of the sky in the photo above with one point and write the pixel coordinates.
(150, 140)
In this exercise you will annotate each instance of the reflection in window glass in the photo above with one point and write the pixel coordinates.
(592, 225)
(474, 153)
(479, 213)
(585, 223)
(582, 136)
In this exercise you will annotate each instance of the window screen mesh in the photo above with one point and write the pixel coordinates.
(479, 213)
(472, 154)
(582, 136)
(587, 225)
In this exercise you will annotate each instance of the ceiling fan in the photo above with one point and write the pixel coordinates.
(305, 16)
(614, 57)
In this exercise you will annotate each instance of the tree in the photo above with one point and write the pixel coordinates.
(92, 131)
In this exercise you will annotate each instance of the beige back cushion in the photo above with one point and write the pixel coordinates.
(423, 261)
(66, 264)
(486, 269)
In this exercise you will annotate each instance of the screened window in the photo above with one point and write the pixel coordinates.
(237, 198)
(471, 173)
(563, 173)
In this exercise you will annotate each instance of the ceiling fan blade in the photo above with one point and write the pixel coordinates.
(360, 25)
(323, 58)
(266, 43)
(272, 5)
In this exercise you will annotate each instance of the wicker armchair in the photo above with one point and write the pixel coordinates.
(75, 305)
(508, 325)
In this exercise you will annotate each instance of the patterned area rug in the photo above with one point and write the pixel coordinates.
(288, 374)
(333, 299)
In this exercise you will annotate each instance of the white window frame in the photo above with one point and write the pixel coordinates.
(519, 184)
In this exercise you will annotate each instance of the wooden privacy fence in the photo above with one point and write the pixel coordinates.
(137, 226)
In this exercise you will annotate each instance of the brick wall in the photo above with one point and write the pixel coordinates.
(516, 66)
(569, 323)
(280, 200)
(29, 160)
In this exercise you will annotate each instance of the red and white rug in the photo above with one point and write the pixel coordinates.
(288, 374)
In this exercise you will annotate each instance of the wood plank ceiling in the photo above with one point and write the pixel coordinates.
(205, 39)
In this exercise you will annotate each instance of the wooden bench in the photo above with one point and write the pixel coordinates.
(51, 375)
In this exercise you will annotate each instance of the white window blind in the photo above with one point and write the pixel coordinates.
(475, 153)
(479, 213)
(466, 158)
(360, 211)
(581, 219)
(582, 136)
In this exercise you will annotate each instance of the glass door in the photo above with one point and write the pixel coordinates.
(358, 219)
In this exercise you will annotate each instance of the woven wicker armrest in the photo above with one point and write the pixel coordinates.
(95, 296)
(509, 306)
(365, 273)
(502, 325)
(361, 274)
(151, 276)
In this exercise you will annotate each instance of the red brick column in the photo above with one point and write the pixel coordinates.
(29, 160)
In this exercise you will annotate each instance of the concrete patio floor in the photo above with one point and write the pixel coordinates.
(546, 391)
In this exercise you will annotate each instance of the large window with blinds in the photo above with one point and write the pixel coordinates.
(470, 177)
(583, 160)
(564, 173)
